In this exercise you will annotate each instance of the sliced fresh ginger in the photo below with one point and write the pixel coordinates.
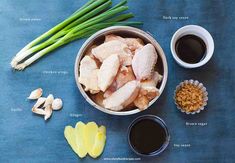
(79, 132)
(69, 134)
(100, 139)
(91, 130)
(102, 129)
(85, 139)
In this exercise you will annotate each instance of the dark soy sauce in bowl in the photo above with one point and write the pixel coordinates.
(148, 136)
(190, 48)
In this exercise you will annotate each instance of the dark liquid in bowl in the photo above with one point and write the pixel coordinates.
(190, 48)
(147, 136)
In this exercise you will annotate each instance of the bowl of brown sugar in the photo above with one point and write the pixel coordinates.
(190, 96)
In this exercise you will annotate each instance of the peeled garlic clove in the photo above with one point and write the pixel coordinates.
(57, 104)
(39, 102)
(49, 100)
(35, 94)
(48, 112)
(38, 111)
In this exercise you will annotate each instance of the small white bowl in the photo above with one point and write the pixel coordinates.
(200, 32)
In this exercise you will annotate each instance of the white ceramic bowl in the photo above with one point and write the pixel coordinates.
(200, 32)
(124, 31)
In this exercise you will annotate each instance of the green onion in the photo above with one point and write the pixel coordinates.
(84, 6)
(63, 31)
(123, 2)
(77, 14)
(90, 18)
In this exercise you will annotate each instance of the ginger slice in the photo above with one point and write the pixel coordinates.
(79, 139)
(90, 132)
(85, 139)
(98, 147)
(69, 134)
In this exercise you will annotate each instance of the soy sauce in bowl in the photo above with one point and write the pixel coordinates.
(148, 135)
(190, 48)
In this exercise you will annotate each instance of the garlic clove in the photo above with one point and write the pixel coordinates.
(39, 102)
(48, 112)
(35, 94)
(57, 104)
(49, 100)
(38, 111)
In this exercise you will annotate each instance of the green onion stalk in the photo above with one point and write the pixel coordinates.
(93, 16)
(90, 5)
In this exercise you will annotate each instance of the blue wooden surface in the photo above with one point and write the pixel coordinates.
(25, 137)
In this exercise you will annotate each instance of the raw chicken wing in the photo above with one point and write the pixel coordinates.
(148, 91)
(88, 74)
(144, 61)
(108, 71)
(124, 75)
(123, 96)
(132, 43)
(106, 49)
